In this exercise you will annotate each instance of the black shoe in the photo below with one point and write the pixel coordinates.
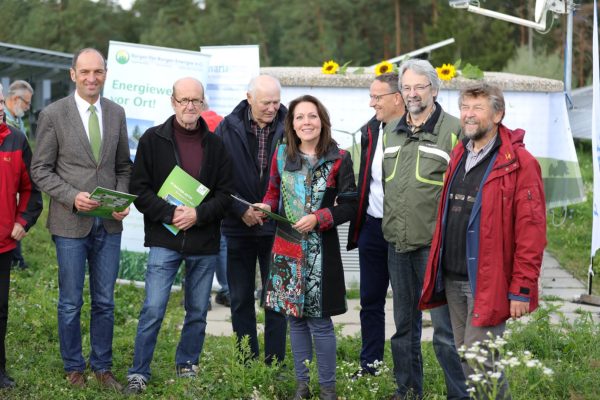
(136, 384)
(186, 371)
(223, 299)
(302, 391)
(6, 382)
(18, 264)
(360, 373)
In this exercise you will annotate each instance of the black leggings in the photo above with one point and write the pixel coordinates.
(5, 261)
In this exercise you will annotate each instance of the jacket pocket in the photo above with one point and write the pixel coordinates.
(531, 201)
(391, 155)
(431, 165)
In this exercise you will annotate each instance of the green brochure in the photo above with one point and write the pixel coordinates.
(180, 188)
(110, 200)
(269, 214)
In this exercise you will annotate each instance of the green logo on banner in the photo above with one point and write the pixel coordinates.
(122, 57)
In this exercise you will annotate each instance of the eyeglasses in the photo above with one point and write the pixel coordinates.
(27, 103)
(185, 102)
(418, 88)
(376, 98)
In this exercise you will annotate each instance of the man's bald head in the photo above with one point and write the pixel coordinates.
(264, 97)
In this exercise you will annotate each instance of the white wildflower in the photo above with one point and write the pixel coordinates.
(548, 371)
(495, 375)
(531, 363)
(514, 361)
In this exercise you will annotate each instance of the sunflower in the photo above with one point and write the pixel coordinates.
(383, 67)
(330, 67)
(446, 72)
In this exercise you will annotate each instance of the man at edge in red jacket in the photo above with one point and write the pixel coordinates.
(490, 235)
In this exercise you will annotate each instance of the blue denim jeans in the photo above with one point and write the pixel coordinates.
(374, 282)
(101, 250)
(406, 275)
(302, 333)
(163, 265)
(242, 255)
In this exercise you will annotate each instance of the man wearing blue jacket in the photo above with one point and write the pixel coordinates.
(251, 134)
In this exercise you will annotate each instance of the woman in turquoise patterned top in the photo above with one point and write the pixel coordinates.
(311, 185)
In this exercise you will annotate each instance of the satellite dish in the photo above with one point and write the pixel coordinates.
(540, 9)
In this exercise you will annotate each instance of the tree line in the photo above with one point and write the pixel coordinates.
(302, 33)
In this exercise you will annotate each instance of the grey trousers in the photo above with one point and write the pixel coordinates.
(305, 331)
(460, 304)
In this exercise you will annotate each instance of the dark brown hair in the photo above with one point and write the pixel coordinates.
(325, 139)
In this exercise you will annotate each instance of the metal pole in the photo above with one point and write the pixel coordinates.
(530, 31)
(590, 276)
(569, 54)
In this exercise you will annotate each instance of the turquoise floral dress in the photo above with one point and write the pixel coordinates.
(306, 274)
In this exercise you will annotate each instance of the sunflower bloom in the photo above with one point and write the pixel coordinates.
(330, 67)
(446, 72)
(383, 67)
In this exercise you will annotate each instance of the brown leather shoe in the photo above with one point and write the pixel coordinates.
(107, 380)
(76, 378)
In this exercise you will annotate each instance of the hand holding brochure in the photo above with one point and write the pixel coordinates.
(180, 188)
(110, 200)
(269, 214)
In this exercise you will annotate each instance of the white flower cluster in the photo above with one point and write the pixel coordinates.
(488, 381)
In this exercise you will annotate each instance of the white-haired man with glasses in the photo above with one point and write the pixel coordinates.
(183, 140)
(415, 157)
(18, 102)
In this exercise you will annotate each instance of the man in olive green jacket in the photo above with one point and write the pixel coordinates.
(415, 158)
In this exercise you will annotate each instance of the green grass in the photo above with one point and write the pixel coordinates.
(569, 241)
(34, 358)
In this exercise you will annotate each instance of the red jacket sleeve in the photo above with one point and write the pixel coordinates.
(530, 227)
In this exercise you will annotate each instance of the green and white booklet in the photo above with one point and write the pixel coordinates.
(181, 189)
(110, 200)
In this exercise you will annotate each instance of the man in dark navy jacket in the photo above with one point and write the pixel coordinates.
(251, 134)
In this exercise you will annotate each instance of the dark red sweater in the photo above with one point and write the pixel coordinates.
(189, 148)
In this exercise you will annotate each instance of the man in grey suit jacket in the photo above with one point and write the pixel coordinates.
(79, 148)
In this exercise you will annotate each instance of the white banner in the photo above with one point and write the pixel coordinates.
(542, 115)
(140, 78)
(596, 134)
(229, 71)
